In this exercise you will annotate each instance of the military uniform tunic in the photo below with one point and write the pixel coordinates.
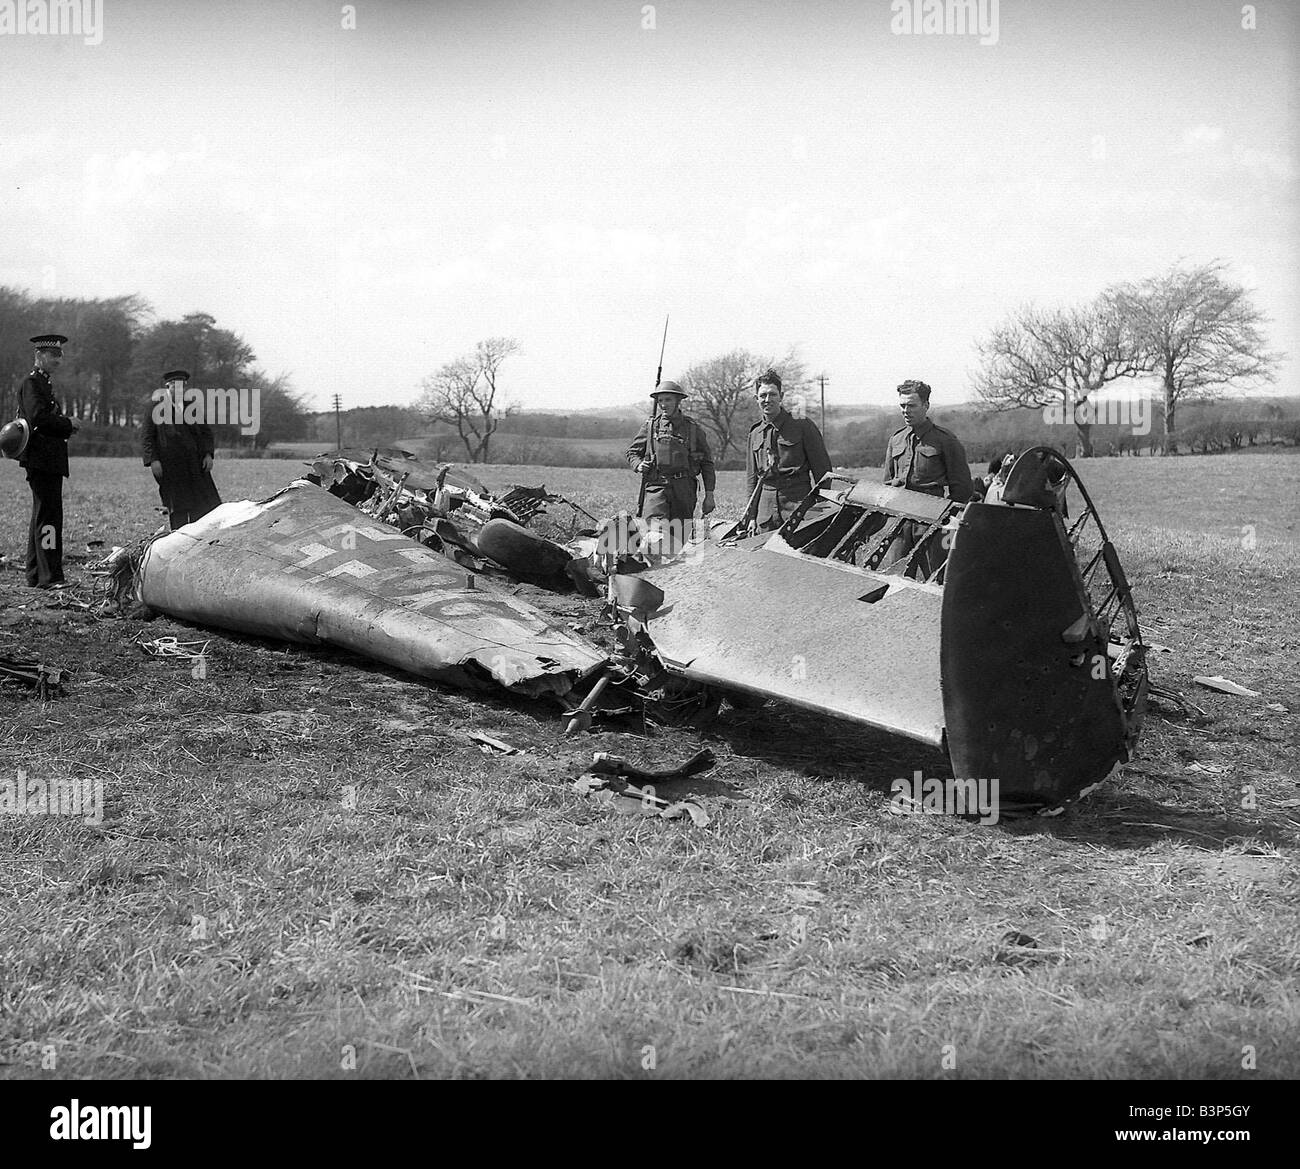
(926, 459)
(678, 450)
(46, 463)
(788, 455)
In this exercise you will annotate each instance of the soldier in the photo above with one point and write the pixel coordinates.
(179, 454)
(923, 457)
(670, 450)
(45, 459)
(786, 454)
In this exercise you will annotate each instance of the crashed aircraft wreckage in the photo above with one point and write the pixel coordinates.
(305, 566)
(1019, 654)
(1007, 637)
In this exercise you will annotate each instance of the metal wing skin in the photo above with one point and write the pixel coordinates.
(813, 632)
(307, 567)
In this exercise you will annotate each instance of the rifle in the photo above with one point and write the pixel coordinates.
(750, 518)
(654, 414)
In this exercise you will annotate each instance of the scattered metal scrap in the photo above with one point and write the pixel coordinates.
(169, 647)
(45, 680)
(450, 511)
(609, 779)
(1226, 686)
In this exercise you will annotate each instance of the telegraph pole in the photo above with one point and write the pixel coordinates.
(821, 377)
(338, 421)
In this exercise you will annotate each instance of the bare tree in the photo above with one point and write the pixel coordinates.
(1201, 333)
(1055, 359)
(722, 392)
(463, 393)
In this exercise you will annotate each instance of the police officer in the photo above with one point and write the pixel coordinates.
(786, 454)
(46, 462)
(671, 450)
(179, 453)
(927, 458)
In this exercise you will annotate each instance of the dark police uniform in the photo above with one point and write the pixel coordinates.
(789, 455)
(186, 489)
(46, 463)
(678, 450)
(927, 459)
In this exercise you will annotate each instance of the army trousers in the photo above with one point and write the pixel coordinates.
(670, 499)
(777, 500)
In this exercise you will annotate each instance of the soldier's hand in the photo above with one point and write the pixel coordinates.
(207, 462)
(709, 504)
(156, 468)
(643, 466)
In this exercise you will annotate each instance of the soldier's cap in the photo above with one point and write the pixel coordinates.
(13, 438)
(667, 387)
(176, 375)
(55, 341)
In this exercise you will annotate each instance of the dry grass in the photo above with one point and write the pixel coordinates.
(471, 916)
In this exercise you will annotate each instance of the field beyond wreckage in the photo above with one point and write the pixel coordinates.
(473, 916)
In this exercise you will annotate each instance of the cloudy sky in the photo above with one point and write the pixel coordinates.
(363, 204)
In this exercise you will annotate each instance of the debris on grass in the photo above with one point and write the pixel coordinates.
(1226, 686)
(487, 744)
(45, 680)
(605, 764)
(627, 799)
(169, 647)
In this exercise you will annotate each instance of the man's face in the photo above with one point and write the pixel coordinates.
(47, 360)
(668, 404)
(914, 410)
(769, 400)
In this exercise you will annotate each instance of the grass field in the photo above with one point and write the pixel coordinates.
(471, 916)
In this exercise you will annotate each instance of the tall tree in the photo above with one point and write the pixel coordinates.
(106, 335)
(464, 393)
(1201, 334)
(283, 412)
(722, 392)
(1055, 359)
(214, 357)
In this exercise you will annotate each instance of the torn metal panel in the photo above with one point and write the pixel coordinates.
(305, 566)
(821, 635)
(1028, 693)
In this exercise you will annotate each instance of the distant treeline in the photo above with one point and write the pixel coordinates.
(115, 359)
(856, 436)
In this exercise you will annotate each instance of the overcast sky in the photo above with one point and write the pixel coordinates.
(365, 204)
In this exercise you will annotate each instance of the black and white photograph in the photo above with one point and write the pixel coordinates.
(584, 540)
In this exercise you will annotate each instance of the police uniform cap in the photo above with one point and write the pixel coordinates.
(54, 341)
(669, 388)
(176, 375)
(13, 438)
